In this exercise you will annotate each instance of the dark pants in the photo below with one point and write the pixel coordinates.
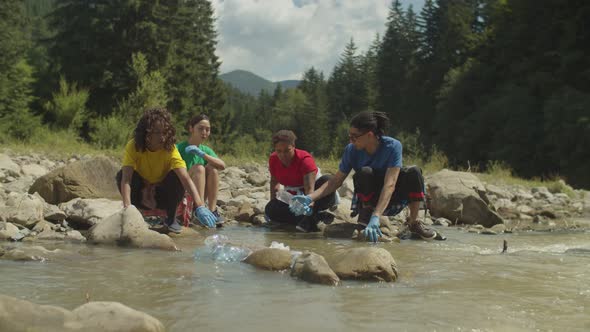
(169, 192)
(279, 211)
(409, 187)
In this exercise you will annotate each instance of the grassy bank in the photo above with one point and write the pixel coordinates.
(64, 145)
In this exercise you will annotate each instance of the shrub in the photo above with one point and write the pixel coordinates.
(67, 110)
(110, 132)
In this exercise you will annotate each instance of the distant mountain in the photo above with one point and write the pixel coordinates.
(251, 83)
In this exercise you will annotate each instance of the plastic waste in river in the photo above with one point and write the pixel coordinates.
(218, 248)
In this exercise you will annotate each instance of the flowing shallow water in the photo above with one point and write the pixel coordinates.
(462, 284)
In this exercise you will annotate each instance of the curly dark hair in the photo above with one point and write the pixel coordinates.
(145, 126)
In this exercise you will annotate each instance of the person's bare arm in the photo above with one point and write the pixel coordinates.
(329, 187)
(274, 187)
(127, 173)
(389, 182)
(188, 185)
(215, 162)
(309, 182)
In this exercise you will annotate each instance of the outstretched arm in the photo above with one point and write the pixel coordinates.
(329, 187)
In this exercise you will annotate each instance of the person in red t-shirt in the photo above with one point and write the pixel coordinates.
(296, 170)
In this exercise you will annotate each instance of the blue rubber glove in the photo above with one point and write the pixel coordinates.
(300, 205)
(194, 150)
(205, 216)
(372, 231)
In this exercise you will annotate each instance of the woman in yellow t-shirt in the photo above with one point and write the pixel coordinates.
(153, 173)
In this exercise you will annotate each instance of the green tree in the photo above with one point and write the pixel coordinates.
(312, 121)
(346, 87)
(16, 75)
(150, 90)
(192, 66)
(67, 109)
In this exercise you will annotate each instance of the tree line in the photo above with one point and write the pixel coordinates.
(480, 80)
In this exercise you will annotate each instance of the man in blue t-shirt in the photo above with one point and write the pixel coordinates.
(381, 185)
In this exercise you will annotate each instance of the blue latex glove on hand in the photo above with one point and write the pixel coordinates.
(205, 216)
(372, 231)
(300, 205)
(194, 150)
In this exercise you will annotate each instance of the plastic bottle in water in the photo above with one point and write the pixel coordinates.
(218, 249)
(229, 253)
(215, 240)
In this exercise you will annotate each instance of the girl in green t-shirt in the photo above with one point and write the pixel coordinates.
(201, 161)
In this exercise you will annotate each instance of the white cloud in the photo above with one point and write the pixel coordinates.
(279, 39)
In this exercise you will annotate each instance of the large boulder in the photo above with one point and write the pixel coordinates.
(457, 197)
(92, 178)
(19, 315)
(127, 227)
(270, 259)
(367, 263)
(312, 267)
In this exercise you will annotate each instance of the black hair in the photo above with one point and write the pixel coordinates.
(377, 122)
(195, 119)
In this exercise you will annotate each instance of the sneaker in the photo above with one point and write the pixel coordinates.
(307, 224)
(174, 226)
(220, 219)
(418, 228)
(365, 216)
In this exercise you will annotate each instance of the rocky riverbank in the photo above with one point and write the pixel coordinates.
(44, 202)
(62, 200)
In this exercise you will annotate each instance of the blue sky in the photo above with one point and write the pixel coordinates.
(280, 39)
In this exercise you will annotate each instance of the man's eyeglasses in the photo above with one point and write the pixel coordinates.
(354, 137)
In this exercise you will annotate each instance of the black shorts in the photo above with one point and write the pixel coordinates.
(409, 187)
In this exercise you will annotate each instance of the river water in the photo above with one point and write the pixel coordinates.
(463, 284)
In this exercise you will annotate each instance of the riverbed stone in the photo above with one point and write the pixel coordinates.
(270, 259)
(27, 253)
(24, 209)
(92, 178)
(7, 230)
(257, 179)
(18, 315)
(314, 268)
(127, 227)
(53, 213)
(34, 170)
(340, 229)
(44, 225)
(8, 167)
(367, 263)
(86, 212)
